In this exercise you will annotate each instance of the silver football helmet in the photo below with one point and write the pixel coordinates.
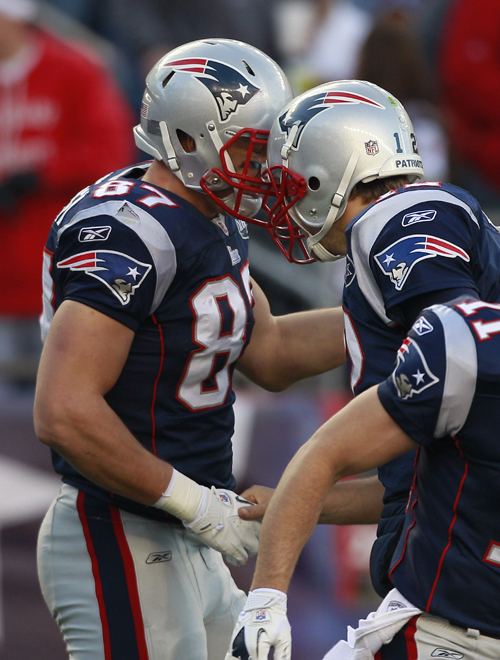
(214, 90)
(322, 144)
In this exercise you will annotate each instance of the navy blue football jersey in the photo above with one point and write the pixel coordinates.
(150, 260)
(445, 394)
(417, 239)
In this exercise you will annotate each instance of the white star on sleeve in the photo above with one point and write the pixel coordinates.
(419, 377)
(133, 272)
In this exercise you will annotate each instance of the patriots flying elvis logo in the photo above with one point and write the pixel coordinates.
(121, 274)
(299, 114)
(398, 260)
(412, 374)
(229, 88)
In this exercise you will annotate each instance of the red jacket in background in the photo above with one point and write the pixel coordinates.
(63, 118)
(470, 73)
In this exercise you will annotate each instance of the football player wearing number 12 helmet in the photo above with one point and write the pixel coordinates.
(344, 164)
(324, 143)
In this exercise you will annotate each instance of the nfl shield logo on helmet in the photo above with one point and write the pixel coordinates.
(372, 147)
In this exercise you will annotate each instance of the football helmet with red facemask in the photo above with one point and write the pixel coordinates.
(216, 91)
(321, 145)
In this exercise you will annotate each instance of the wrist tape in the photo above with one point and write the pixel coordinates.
(184, 498)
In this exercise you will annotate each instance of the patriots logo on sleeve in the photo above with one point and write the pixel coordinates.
(412, 374)
(229, 88)
(121, 274)
(301, 113)
(398, 260)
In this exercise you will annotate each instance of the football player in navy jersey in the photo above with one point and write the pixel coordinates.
(148, 307)
(348, 182)
(443, 398)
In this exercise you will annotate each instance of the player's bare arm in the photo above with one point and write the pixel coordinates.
(357, 439)
(83, 357)
(285, 349)
(355, 501)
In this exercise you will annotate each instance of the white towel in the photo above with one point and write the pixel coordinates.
(377, 629)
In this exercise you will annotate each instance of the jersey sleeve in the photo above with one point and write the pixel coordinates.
(430, 392)
(425, 248)
(121, 269)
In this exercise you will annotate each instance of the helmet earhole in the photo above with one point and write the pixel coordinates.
(313, 183)
(187, 142)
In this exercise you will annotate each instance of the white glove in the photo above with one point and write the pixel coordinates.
(213, 516)
(262, 625)
(220, 527)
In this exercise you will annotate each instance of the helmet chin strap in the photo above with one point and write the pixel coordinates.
(218, 144)
(337, 202)
(172, 162)
(321, 253)
(313, 242)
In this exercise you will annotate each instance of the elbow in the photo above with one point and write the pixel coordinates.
(272, 382)
(279, 380)
(52, 424)
(277, 385)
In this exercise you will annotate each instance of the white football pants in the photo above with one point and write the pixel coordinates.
(122, 587)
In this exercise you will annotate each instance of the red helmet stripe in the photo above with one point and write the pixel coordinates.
(193, 64)
(349, 97)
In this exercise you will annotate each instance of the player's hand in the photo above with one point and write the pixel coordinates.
(260, 495)
(221, 528)
(262, 625)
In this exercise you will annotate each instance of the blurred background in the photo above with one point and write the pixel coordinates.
(71, 81)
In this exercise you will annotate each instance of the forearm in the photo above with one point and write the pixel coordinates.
(311, 343)
(290, 519)
(355, 501)
(358, 438)
(94, 440)
(285, 349)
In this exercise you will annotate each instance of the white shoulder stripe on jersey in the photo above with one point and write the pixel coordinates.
(461, 371)
(367, 229)
(150, 231)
